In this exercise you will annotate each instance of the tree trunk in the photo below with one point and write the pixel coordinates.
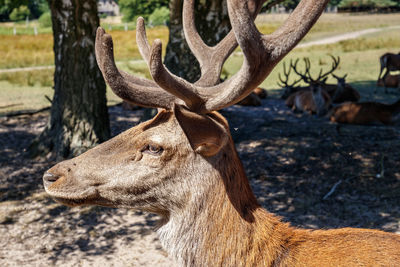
(79, 117)
(212, 22)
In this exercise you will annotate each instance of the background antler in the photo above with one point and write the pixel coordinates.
(261, 54)
(335, 64)
(307, 77)
(285, 83)
(211, 59)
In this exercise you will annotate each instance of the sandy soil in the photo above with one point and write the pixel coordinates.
(313, 173)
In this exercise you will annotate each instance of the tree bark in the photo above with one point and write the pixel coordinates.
(212, 23)
(79, 116)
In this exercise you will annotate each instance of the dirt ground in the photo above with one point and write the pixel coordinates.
(313, 173)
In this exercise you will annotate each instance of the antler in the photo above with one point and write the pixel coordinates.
(334, 66)
(130, 88)
(285, 83)
(306, 76)
(261, 54)
(211, 59)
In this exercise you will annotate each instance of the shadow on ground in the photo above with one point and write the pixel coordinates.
(306, 169)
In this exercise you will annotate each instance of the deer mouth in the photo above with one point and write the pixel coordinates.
(55, 187)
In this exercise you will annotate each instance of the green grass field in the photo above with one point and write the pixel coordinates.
(359, 57)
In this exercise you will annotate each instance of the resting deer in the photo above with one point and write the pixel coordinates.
(314, 100)
(183, 164)
(340, 92)
(390, 62)
(254, 98)
(344, 92)
(365, 113)
(392, 81)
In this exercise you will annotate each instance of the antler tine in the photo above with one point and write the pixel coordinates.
(283, 83)
(211, 59)
(334, 66)
(302, 76)
(284, 69)
(287, 72)
(132, 89)
(307, 73)
(165, 79)
(141, 39)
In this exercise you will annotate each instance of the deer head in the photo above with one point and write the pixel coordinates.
(186, 129)
(185, 155)
(341, 81)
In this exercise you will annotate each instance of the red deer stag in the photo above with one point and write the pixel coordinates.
(365, 113)
(314, 100)
(390, 62)
(183, 164)
(340, 92)
(344, 92)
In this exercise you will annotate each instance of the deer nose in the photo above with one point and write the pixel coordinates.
(49, 178)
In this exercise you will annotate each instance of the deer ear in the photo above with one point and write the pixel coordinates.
(205, 134)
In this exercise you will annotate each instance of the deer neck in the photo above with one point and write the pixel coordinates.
(318, 99)
(338, 92)
(222, 224)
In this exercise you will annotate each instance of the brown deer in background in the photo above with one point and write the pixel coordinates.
(390, 62)
(365, 113)
(183, 164)
(389, 81)
(340, 92)
(254, 98)
(344, 92)
(312, 101)
(315, 100)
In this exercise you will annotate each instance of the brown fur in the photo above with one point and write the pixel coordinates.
(214, 218)
(341, 92)
(305, 101)
(261, 92)
(254, 99)
(365, 113)
(288, 91)
(390, 62)
(250, 100)
(392, 81)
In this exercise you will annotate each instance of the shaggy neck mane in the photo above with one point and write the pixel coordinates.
(224, 223)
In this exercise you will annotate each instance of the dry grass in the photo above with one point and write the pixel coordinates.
(26, 50)
(17, 97)
(330, 24)
(29, 50)
(42, 78)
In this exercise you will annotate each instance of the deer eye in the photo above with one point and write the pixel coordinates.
(153, 149)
